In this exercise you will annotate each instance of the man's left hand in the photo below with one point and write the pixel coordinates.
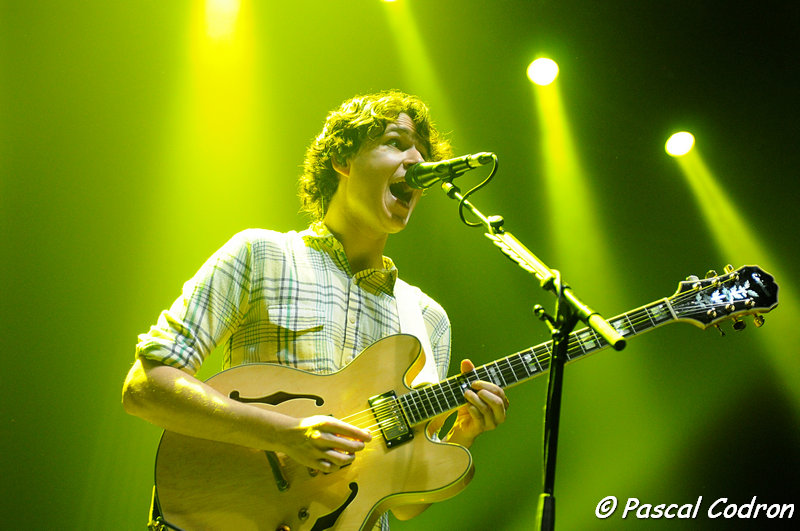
(485, 410)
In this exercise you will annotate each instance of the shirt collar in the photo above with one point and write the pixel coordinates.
(319, 237)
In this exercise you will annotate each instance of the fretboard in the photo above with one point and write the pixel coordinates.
(427, 402)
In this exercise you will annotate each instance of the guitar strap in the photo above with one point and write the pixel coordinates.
(412, 323)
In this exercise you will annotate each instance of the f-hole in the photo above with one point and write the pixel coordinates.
(275, 398)
(327, 521)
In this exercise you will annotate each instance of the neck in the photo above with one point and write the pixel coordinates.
(363, 250)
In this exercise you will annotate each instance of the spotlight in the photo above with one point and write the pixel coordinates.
(543, 71)
(221, 18)
(679, 144)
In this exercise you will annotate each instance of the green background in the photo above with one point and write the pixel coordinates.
(114, 188)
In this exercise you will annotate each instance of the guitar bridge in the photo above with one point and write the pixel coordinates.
(391, 419)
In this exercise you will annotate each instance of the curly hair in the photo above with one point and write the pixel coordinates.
(359, 119)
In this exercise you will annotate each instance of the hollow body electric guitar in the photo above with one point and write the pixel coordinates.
(203, 484)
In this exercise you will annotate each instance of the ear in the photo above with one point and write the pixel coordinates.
(342, 167)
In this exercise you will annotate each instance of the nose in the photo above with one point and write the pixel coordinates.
(412, 156)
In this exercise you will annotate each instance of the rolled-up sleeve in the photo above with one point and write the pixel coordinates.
(210, 307)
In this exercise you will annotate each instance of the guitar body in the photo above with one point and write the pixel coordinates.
(204, 484)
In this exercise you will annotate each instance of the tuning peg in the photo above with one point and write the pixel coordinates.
(695, 280)
(738, 325)
(758, 320)
(730, 270)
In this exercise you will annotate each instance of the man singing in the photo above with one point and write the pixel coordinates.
(311, 300)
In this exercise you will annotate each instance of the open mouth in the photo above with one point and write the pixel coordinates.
(402, 192)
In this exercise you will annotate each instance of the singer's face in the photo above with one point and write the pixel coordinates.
(372, 195)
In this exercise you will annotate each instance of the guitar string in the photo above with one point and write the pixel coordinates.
(635, 317)
(514, 361)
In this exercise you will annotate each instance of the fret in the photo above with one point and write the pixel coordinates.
(430, 409)
(587, 339)
(472, 377)
(509, 373)
(497, 375)
(457, 397)
(649, 316)
(434, 391)
(513, 370)
(619, 326)
(574, 348)
(418, 413)
(497, 378)
(406, 406)
(526, 359)
(482, 373)
(425, 402)
(485, 373)
(601, 343)
(661, 312)
(670, 308)
(548, 348)
(578, 341)
(643, 319)
(418, 398)
(527, 362)
(536, 358)
(630, 323)
(543, 354)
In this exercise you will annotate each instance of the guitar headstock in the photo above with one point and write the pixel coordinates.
(748, 290)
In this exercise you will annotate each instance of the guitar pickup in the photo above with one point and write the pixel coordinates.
(391, 419)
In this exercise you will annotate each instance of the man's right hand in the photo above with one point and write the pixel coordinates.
(324, 443)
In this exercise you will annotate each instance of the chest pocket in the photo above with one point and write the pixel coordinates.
(296, 319)
(296, 336)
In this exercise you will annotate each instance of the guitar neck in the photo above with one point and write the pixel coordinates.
(421, 405)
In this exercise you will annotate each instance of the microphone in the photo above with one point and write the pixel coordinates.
(426, 174)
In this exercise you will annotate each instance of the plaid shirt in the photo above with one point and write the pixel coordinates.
(287, 298)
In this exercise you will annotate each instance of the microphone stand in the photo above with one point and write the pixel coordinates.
(569, 309)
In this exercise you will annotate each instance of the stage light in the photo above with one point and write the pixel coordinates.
(543, 71)
(221, 18)
(415, 62)
(570, 197)
(679, 144)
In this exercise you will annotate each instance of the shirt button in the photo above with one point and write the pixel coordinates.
(352, 319)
